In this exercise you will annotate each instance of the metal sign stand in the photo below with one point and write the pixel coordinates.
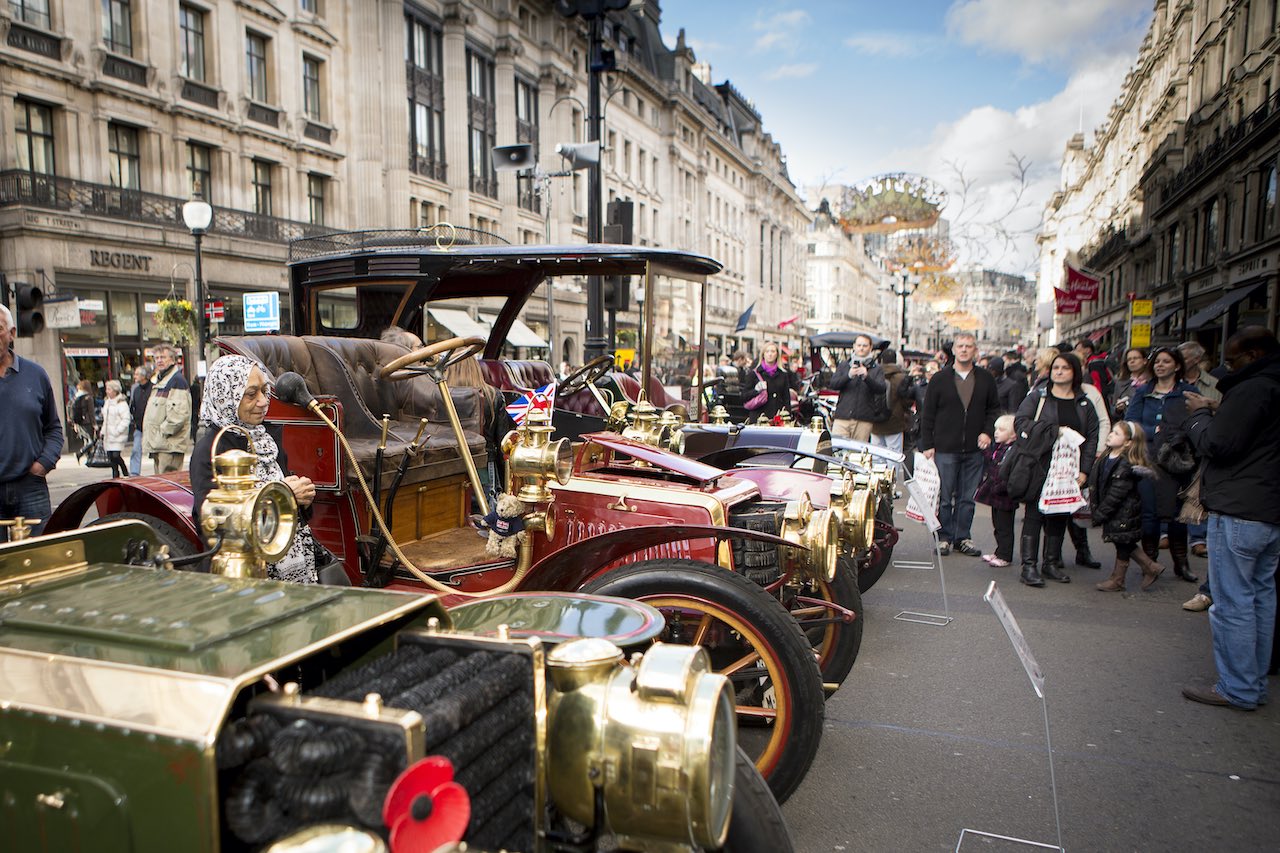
(930, 521)
(1023, 650)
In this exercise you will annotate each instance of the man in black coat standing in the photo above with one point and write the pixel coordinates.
(1241, 452)
(858, 380)
(960, 411)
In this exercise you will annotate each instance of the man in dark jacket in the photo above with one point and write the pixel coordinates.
(888, 433)
(1241, 450)
(139, 394)
(960, 411)
(857, 384)
(1013, 386)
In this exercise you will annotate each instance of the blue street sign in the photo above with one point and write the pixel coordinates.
(262, 311)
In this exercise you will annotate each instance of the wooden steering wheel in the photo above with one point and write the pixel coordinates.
(588, 374)
(433, 357)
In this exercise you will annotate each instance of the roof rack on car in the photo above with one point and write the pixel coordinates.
(343, 242)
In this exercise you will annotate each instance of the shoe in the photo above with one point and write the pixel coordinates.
(1199, 549)
(1178, 551)
(998, 563)
(944, 548)
(1080, 541)
(1115, 583)
(967, 548)
(1164, 543)
(1051, 567)
(1030, 571)
(1197, 603)
(1211, 696)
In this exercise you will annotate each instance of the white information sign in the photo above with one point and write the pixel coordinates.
(997, 602)
(923, 505)
(62, 313)
(262, 311)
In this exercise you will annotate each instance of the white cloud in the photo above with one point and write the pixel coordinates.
(780, 31)
(1038, 31)
(792, 72)
(897, 45)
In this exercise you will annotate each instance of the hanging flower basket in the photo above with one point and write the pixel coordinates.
(175, 320)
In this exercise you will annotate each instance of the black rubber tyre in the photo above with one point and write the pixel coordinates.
(872, 572)
(756, 824)
(179, 545)
(836, 644)
(751, 638)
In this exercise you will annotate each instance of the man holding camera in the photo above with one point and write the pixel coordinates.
(860, 381)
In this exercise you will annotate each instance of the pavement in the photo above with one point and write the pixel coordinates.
(938, 729)
(70, 475)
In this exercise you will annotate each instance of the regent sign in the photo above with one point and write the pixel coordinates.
(119, 260)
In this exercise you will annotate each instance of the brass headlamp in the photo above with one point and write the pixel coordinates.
(719, 415)
(644, 423)
(533, 459)
(856, 510)
(818, 530)
(658, 738)
(257, 523)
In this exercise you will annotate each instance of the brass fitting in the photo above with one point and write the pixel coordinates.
(818, 530)
(534, 460)
(258, 523)
(719, 415)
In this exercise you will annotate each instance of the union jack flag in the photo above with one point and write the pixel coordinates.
(544, 398)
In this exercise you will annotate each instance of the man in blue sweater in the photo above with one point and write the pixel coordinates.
(31, 440)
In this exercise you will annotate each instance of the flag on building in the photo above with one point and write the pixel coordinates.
(543, 399)
(1081, 285)
(745, 318)
(788, 321)
(1065, 302)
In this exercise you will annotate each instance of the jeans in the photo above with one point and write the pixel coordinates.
(135, 461)
(959, 474)
(1197, 532)
(893, 441)
(27, 496)
(1244, 555)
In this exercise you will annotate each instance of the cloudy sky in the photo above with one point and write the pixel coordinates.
(852, 89)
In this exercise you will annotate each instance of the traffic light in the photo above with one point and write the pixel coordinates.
(620, 219)
(617, 292)
(30, 319)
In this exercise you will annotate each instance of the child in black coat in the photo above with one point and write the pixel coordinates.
(994, 492)
(1116, 504)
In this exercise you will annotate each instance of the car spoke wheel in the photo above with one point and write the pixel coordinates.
(753, 642)
(835, 641)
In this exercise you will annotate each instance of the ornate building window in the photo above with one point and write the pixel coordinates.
(191, 26)
(123, 161)
(262, 187)
(34, 12)
(425, 82)
(482, 124)
(312, 100)
(200, 171)
(1266, 202)
(117, 26)
(316, 191)
(255, 56)
(33, 127)
(527, 132)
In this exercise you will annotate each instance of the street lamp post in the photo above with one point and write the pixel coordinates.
(197, 214)
(904, 291)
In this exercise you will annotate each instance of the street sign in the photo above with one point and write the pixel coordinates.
(215, 311)
(1142, 307)
(62, 313)
(1140, 334)
(262, 311)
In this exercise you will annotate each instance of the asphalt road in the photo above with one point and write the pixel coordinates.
(938, 729)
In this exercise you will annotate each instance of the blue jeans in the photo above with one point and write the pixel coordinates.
(893, 441)
(1244, 555)
(959, 474)
(27, 496)
(135, 461)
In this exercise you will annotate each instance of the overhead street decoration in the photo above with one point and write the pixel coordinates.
(888, 203)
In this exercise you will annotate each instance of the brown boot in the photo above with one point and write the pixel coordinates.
(1115, 583)
(1150, 568)
(1178, 551)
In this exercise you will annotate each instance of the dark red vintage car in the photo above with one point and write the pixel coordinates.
(423, 443)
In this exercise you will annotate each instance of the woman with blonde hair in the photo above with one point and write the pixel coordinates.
(776, 379)
(115, 428)
(1116, 504)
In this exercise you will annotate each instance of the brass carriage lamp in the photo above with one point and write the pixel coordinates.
(818, 531)
(719, 415)
(645, 427)
(534, 460)
(257, 523)
(855, 510)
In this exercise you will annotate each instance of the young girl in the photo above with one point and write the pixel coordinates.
(994, 492)
(1116, 504)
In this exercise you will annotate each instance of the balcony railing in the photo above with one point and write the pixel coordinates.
(52, 192)
(34, 41)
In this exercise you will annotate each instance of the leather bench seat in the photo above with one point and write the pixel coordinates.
(347, 368)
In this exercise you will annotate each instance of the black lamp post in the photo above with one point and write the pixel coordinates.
(904, 291)
(197, 214)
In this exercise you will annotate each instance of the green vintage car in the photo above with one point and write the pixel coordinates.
(149, 709)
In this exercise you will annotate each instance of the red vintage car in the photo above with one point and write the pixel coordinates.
(422, 445)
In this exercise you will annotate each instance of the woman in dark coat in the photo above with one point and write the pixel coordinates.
(774, 377)
(238, 393)
(1160, 407)
(1062, 403)
(1116, 506)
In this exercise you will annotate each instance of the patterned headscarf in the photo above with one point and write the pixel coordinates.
(223, 390)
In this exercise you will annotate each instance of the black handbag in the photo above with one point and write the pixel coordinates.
(97, 457)
(1176, 455)
(329, 569)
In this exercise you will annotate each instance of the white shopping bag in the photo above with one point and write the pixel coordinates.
(1061, 492)
(923, 489)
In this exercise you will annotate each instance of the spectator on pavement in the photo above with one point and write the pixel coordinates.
(994, 492)
(1012, 388)
(166, 425)
(115, 428)
(1207, 387)
(1116, 506)
(83, 423)
(1079, 533)
(888, 433)
(960, 410)
(1096, 371)
(858, 385)
(139, 394)
(1161, 408)
(1134, 371)
(1242, 467)
(31, 440)
(1063, 403)
(773, 377)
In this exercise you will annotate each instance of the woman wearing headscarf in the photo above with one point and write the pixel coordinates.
(237, 392)
(776, 379)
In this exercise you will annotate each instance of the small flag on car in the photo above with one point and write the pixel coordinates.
(544, 398)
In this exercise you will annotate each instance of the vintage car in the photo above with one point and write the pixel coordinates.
(406, 450)
(146, 709)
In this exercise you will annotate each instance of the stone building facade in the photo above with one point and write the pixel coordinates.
(1175, 201)
(296, 116)
(1004, 305)
(843, 282)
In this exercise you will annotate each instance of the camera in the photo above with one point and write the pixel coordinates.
(868, 361)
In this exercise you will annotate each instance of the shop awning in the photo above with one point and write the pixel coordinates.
(1162, 316)
(519, 335)
(1098, 335)
(1220, 305)
(459, 323)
